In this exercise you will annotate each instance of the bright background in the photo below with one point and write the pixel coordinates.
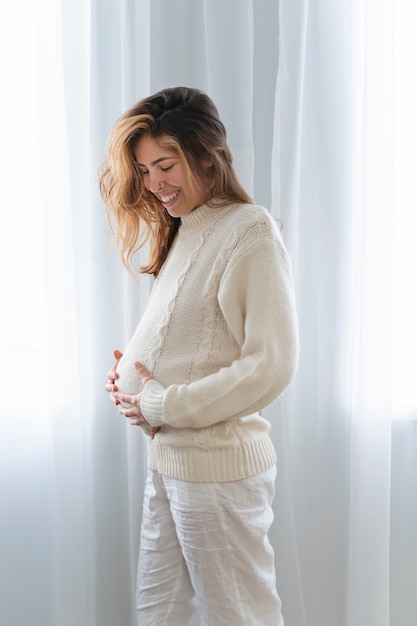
(320, 101)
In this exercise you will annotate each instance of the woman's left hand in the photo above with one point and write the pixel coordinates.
(133, 412)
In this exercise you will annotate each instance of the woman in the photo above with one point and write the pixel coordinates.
(216, 344)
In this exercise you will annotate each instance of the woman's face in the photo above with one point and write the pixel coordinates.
(165, 175)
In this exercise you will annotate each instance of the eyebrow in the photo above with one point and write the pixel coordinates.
(157, 161)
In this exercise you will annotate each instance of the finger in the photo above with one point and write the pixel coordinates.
(127, 408)
(114, 399)
(131, 412)
(112, 374)
(127, 399)
(139, 421)
(143, 372)
(154, 430)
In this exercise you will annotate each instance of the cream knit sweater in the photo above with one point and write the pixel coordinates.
(219, 336)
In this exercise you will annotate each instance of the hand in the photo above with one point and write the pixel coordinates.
(133, 412)
(112, 376)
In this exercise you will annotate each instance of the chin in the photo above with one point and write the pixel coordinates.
(178, 212)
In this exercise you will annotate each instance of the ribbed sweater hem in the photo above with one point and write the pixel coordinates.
(212, 466)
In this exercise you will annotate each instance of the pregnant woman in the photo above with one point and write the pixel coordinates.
(216, 344)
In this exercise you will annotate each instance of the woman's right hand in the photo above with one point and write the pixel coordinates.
(112, 376)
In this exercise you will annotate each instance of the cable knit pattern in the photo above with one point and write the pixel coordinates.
(219, 336)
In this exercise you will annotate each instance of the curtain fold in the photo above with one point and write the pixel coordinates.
(306, 93)
(333, 192)
(371, 412)
(313, 198)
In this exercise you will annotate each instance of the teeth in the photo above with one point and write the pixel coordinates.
(169, 198)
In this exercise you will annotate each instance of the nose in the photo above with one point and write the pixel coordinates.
(154, 182)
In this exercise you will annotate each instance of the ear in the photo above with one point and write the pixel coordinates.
(207, 163)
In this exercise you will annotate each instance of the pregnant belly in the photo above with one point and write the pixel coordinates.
(129, 381)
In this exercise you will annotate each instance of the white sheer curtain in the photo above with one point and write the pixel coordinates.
(344, 517)
(308, 87)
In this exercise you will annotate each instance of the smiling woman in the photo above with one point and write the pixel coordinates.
(310, 84)
(166, 176)
(217, 343)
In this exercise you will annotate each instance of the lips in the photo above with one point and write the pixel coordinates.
(170, 197)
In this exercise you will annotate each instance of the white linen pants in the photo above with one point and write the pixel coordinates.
(205, 558)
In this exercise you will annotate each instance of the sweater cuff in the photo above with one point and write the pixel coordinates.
(151, 402)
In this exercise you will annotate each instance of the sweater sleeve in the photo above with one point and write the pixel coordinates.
(257, 301)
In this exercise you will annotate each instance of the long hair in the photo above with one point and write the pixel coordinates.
(187, 121)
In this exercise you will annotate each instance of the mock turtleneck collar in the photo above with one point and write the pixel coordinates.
(202, 216)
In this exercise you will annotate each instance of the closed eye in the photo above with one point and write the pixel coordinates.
(166, 169)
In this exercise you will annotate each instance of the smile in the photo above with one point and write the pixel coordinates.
(170, 197)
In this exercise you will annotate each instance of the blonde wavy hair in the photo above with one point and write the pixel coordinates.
(186, 121)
